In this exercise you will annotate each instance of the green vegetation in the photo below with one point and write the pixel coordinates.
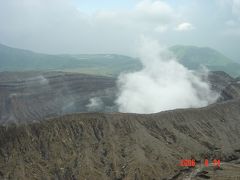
(194, 57)
(12, 59)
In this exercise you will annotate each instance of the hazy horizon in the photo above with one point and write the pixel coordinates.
(106, 27)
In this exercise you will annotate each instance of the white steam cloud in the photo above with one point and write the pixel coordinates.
(95, 104)
(162, 84)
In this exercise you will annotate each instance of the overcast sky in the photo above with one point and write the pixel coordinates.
(106, 26)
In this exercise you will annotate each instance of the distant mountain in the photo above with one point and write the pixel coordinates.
(193, 57)
(13, 59)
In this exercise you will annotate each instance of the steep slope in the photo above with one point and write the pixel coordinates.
(193, 57)
(120, 146)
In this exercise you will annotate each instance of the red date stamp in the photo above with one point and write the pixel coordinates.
(187, 163)
(192, 163)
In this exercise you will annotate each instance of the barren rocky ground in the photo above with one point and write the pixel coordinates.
(115, 145)
(120, 146)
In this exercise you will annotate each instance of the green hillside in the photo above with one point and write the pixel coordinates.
(193, 57)
(12, 59)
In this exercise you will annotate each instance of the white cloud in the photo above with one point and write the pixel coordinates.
(231, 23)
(236, 7)
(106, 15)
(185, 26)
(59, 26)
(161, 28)
(95, 104)
(40, 26)
(154, 11)
(232, 27)
(232, 31)
(233, 4)
(154, 15)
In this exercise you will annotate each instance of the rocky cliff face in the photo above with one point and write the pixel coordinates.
(120, 146)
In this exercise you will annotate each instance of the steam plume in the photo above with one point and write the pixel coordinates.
(162, 84)
(95, 104)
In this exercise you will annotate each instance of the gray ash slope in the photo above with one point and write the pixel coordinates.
(111, 145)
(33, 96)
(119, 146)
